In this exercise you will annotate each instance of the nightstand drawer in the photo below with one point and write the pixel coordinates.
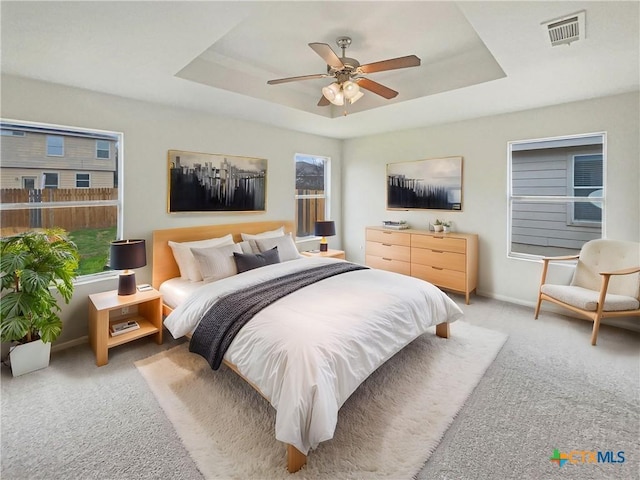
(438, 258)
(387, 250)
(443, 243)
(388, 236)
(388, 264)
(440, 276)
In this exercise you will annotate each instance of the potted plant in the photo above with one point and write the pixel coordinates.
(446, 226)
(34, 265)
(437, 226)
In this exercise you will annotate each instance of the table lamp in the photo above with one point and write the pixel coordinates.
(325, 229)
(125, 255)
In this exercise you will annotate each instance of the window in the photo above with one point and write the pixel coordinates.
(29, 183)
(587, 182)
(64, 198)
(83, 180)
(312, 192)
(102, 149)
(556, 194)
(55, 146)
(11, 133)
(50, 180)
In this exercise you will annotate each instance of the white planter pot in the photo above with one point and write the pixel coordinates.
(29, 357)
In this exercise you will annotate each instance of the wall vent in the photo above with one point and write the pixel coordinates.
(565, 30)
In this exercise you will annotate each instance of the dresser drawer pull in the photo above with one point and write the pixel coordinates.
(387, 259)
(437, 251)
(386, 244)
(387, 233)
(437, 268)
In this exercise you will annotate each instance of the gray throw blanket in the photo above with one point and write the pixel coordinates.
(220, 324)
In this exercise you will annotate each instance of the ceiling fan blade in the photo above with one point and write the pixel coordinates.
(391, 64)
(376, 88)
(328, 55)
(295, 79)
(323, 102)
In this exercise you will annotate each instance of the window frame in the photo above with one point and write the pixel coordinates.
(512, 199)
(98, 150)
(63, 130)
(88, 180)
(44, 180)
(571, 215)
(327, 190)
(49, 154)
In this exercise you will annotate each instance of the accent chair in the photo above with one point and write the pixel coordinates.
(606, 282)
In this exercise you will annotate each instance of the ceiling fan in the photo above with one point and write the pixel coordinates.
(349, 74)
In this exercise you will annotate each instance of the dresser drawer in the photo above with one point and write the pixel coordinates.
(389, 237)
(387, 250)
(440, 276)
(388, 264)
(442, 243)
(439, 258)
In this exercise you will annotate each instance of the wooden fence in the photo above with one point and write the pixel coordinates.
(309, 211)
(70, 218)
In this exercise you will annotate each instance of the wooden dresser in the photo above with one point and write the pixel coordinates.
(448, 260)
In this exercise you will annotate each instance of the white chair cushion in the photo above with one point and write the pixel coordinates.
(588, 299)
(606, 256)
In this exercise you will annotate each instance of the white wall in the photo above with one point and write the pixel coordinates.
(358, 172)
(483, 144)
(150, 130)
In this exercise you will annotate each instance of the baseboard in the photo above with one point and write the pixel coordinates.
(71, 343)
(629, 323)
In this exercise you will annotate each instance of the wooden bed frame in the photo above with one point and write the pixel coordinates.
(164, 267)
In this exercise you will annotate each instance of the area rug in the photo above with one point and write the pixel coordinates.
(387, 429)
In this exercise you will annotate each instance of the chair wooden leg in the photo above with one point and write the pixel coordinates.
(596, 327)
(535, 317)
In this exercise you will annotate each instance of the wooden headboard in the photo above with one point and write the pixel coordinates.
(164, 265)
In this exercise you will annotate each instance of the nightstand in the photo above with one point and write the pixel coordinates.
(328, 253)
(109, 307)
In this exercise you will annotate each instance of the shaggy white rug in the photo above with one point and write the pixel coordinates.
(387, 429)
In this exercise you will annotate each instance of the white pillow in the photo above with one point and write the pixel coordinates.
(251, 238)
(287, 249)
(246, 246)
(216, 262)
(184, 258)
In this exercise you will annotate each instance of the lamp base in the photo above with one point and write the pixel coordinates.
(127, 283)
(324, 245)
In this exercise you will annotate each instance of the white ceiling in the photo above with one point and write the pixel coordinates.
(478, 58)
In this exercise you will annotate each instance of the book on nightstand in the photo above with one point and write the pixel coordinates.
(123, 327)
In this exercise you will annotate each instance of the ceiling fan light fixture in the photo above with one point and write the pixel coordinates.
(356, 97)
(334, 94)
(350, 89)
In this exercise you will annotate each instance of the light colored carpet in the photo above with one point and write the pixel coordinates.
(387, 429)
(547, 388)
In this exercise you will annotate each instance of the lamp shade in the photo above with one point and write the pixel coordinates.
(127, 254)
(325, 229)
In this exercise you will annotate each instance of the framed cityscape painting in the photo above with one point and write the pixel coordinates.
(203, 182)
(434, 184)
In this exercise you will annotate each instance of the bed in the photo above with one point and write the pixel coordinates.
(306, 352)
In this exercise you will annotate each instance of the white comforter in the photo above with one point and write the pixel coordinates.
(310, 350)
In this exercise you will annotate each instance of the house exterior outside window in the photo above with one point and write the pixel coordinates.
(71, 189)
(312, 192)
(556, 194)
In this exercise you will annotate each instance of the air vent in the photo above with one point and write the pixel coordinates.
(565, 30)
